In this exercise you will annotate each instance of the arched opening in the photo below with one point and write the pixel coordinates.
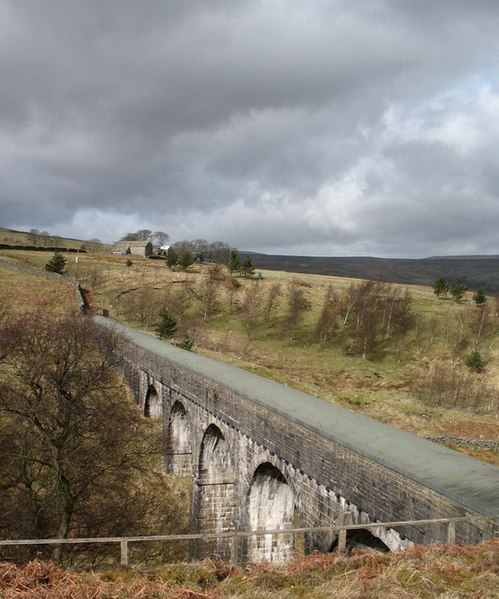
(362, 539)
(214, 507)
(270, 507)
(152, 405)
(178, 451)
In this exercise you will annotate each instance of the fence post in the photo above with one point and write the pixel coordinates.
(451, 533)
(124, 552)
(342, 541)
(234, 550)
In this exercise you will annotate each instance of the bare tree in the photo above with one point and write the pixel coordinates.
(76, 454)
(272, 297)
(327, 324)
(375, 312)
(297, 303)
(94, 244)
(209, 293)
(348, 299)
(219, 252)
(140, 305)
(143, 234)
(159, 237)
(481, 322)
(130, 237)
(200, 248)
(251, 308)
(177, 297)
(94, 275)
(398, 316)
(232, 286)
(365, 312)
(140, 235)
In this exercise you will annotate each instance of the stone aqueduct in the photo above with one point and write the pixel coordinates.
(264, 456)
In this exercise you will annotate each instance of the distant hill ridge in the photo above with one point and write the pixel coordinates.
(474, 271)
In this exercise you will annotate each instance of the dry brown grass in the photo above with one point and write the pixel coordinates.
(438, 571)
(20, 292)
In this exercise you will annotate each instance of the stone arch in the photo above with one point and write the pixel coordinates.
(152, 403)
(362, 538)
(270, 506)
(214, 492)
(378, 538)
(178, 452)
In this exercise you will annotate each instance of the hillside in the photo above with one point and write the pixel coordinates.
(231, 319)
(414, 378)
(11, 239)
(474, 271)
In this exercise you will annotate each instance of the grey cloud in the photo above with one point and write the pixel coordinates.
(191, 111)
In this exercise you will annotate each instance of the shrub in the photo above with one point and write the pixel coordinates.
(479, 297)
(447, 385)
(186, 343)
(475, 361)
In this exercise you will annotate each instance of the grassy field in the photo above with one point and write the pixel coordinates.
(381, 387)
(21, 291)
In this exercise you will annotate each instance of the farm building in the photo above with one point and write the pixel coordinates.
(137, 248)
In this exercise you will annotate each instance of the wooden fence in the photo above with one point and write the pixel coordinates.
(340, 530)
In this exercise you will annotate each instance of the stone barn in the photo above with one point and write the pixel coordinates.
(136, 248)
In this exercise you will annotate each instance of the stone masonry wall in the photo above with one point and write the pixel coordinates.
(328, 480)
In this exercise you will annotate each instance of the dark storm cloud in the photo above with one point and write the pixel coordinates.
(333, 127)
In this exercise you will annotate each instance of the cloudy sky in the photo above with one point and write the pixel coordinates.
(319, 127)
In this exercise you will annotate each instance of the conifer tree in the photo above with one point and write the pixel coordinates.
(247, 269)
(167, 325)
(185, 257)
(56, 263)
(234, 263)
(441, 287)
(479, 297)
(458, 289)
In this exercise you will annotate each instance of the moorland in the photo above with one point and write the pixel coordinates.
(395, 352)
